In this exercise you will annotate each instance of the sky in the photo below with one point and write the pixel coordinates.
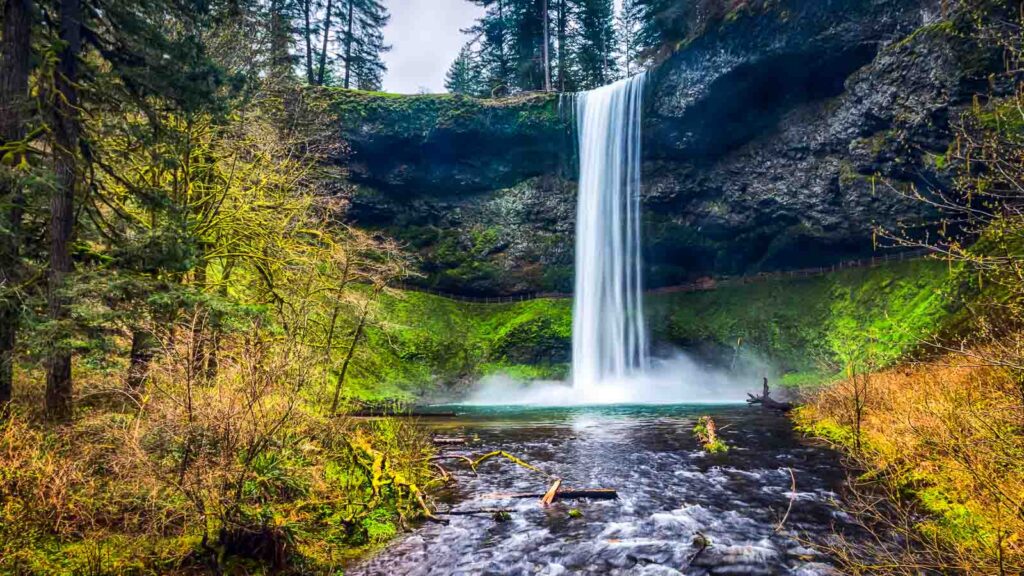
(425, 39)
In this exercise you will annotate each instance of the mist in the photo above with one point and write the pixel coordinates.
(675, 379)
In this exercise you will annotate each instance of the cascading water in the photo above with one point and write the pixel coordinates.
(609, 340)
(611, 362)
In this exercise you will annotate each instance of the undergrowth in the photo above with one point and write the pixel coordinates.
(242, 472)
(940, 444)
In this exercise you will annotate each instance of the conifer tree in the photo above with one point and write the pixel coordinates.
(361, 42)
(629, 24)
(493, 34)
(528, 45)
(62, 203)
(15, 52)
(594, 43)
(463, 77)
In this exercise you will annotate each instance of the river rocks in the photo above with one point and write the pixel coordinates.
(777, 140)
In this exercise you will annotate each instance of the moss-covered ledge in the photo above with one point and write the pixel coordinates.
(447, 143)
(419, 115)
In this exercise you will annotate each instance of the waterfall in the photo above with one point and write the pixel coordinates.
(609, 340)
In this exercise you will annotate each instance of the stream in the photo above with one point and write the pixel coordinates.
(672, 496)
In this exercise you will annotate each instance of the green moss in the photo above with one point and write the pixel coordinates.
(710, 445)
(810, 328)
(942, 28)
(426, 344)
(806, 325)
(412, 116)
(829, 430)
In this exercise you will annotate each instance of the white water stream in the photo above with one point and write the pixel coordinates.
(609, 338)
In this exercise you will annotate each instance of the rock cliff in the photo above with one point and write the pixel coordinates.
(777, 139)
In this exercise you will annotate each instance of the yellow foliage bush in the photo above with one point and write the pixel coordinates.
(943, 443)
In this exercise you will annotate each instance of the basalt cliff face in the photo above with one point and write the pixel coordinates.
(777, 139)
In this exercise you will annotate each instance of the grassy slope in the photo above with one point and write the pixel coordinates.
(426, 345)
(806, 326)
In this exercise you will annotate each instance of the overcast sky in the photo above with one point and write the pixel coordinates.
(425, 38)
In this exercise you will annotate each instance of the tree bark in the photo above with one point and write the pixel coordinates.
(351, 352)
(280, 37)
(562, 18)
(348, 45)
(503, 68)
(15, 51)
(62, 214)
(308, 33)
(139, 360)
(323, 49)
(198, 353)
(547, 56)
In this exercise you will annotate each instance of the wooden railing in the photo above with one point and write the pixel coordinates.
(700, 285)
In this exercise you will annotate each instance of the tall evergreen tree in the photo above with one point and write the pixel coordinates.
(325, 36)
(492, 32)
(15, 52)
(62, 203)
(629, 24)
(281, 32)
(528, 45)
(463, 76)
(361, 42)
(562, 43)
(594, 43)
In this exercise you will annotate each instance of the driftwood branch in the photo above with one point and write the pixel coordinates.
(565, 494)
(767, 402)
(792, 497)
(476, 512)
(552, 492)
(502, 454)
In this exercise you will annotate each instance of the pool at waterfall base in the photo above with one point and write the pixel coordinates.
(679, 511)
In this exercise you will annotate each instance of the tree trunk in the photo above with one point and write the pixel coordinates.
(323, 50)
(280, 37)
(198, 358)
(547, 56)
(62, 213)
(217, 326)
(308, 34)
(15, 51)
(348, 45)
(351, 351)
(502, 57)
(562, 17)
(144, 347)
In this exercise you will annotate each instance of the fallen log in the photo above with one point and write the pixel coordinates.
(767, 402)
(567, 494)
(476, 511)
(383, 413)
(449, 440)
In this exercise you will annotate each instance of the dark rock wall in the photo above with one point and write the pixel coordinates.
(776, 140)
